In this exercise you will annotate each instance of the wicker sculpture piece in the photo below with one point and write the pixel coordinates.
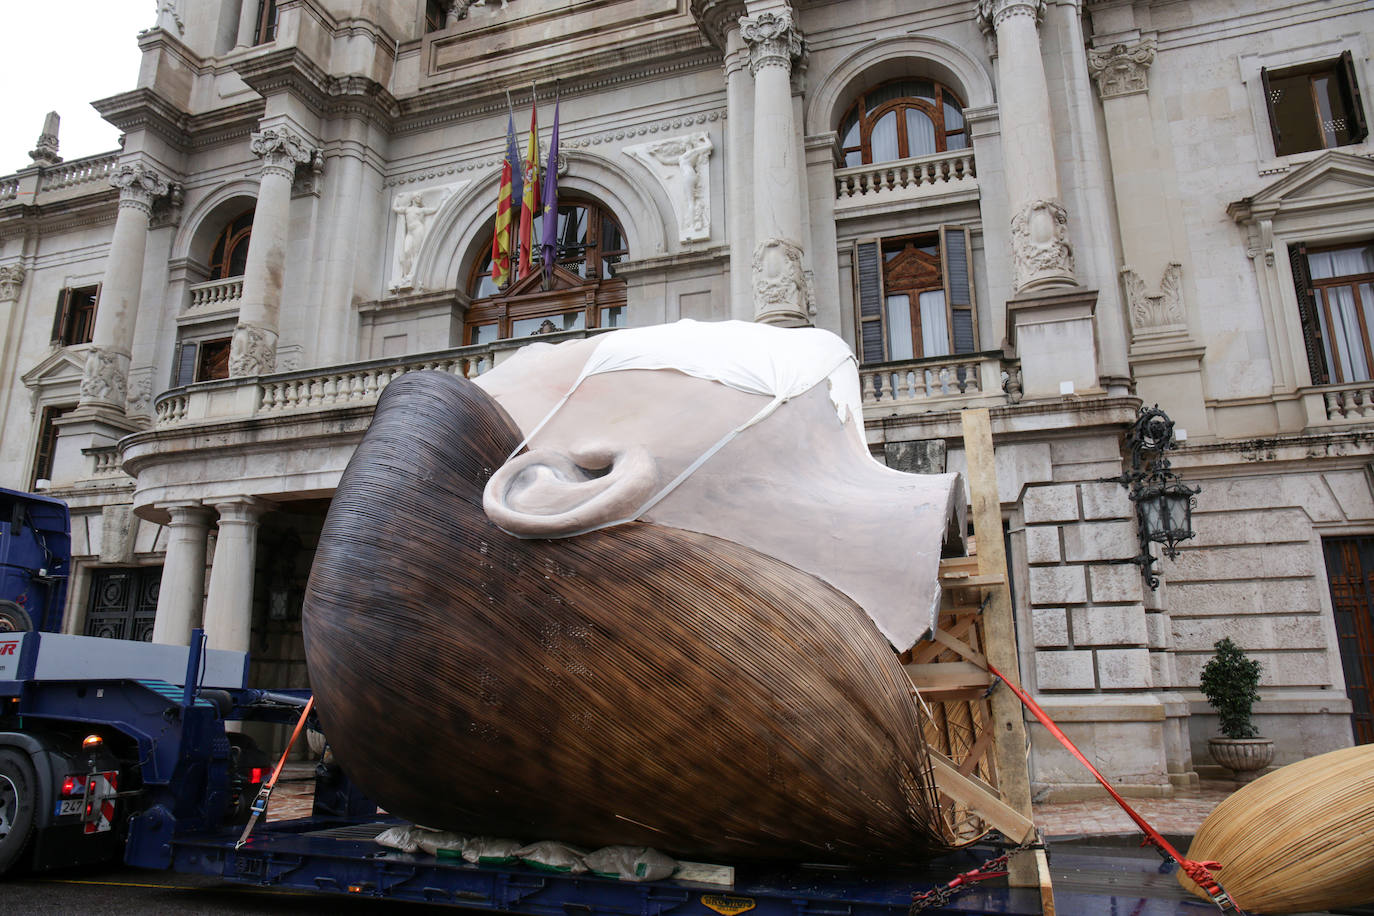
(1298, 839)
(638, 684)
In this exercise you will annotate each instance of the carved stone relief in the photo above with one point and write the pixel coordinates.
(1040, 243)
(168, 18)
(11, 281)
(139, 185)
(773, 40)
(139, 402)
(779, 282)
(681, 165)
(105, 377)
(253, 351)
(1122, 70)
(414, 218)
(992, 13)
(1155, 311)
(44, 152)
(458, 9)
(282, 148)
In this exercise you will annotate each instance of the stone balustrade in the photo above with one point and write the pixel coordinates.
(932, 382)
(9, 188)
(353, 385)
(106, 461)
(1349, 402)
(215, 294)
(905, 178)
(80, 171)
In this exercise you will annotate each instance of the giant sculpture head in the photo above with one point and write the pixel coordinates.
(640, 588)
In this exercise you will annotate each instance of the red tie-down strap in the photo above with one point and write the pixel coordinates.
(1200, 872)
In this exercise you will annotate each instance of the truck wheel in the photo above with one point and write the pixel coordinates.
(18, 792)
(14, 619)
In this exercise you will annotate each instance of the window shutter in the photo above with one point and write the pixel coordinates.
(955, 262)
(186, 366)
(1350, 86)
(1307, 313)
(1269, 108)
(869, 273)
(59, 320)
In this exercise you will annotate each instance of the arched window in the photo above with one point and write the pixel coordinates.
(585, 292)
(230, 252)
(901, 119)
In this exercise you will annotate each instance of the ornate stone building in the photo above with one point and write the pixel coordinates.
(1058, 209)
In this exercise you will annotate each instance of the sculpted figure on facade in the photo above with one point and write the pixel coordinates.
(413, 224)
(681, 164)
(104, 378)
(168, 19)
(1040, 243)
(11, 281)
(139, 401)
(1122, 70)
(253, 351)
(1155, 311)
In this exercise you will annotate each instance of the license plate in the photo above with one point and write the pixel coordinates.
(69, 806)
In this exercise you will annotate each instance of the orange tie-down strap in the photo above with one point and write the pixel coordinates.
(1200, 872)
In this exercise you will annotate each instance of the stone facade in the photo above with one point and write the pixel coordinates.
(1105, 214)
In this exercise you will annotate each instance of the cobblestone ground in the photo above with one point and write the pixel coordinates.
(1177, 816)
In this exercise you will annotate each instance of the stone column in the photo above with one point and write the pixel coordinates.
(1039, 223)
(183, 574)
(106, 379)
(229, 604)
(739, 137)
(779, 282)
(254, 347)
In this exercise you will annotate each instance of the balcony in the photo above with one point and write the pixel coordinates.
(215, 296)
(940, 383)
(1346, 404)
(905, 180)
(64, 181)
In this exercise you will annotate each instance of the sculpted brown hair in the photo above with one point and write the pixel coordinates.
(639, 684)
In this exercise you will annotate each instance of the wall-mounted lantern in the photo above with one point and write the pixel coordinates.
(1163, 502)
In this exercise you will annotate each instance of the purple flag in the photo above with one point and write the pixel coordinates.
(549, 252)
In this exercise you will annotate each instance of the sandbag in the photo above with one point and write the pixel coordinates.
(631, 863)
(550, 855)
(485, 850)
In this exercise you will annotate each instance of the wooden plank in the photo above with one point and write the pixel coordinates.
(934, 695)
(965, 651)
(979, 581)
(982, 800)
(948, 676)
(999, 630)
(1042, 870)
(975, 753)
(967, 565)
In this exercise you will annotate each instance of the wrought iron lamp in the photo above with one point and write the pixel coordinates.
(1163, 502)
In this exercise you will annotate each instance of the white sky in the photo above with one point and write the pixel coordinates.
(61, 57)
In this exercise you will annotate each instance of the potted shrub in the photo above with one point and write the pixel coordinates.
(1229, 681)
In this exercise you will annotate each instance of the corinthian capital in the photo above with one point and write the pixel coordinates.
(773, 40)
(282, 148)
(1123, 69)
(139, 185)
(992, 13)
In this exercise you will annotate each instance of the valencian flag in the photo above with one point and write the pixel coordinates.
(529, 203)
(512, 186)
(549, 245)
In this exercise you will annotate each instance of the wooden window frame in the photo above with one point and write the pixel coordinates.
(527, 298)
(265, 25)
(867, 118)
(435, 15)
(74, 321)
(236, 232)
(1342, 70)
(1316, 299)
(871, 291)
(190, 364)
(46, 444)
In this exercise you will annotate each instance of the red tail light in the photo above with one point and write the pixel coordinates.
(255, 775)
(73, 785)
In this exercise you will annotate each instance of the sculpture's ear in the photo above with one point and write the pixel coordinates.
(548, 494)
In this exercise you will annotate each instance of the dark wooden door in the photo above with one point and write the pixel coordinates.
(1350, 570)
(124, 602)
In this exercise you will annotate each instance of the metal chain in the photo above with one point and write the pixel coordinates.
(994, 867)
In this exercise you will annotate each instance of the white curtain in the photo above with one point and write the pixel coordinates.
(934, 323)
(1342, 263)
(899, 327)
(920, 133)
(883, 138)
(1343, 334)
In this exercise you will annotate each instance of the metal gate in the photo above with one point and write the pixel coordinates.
(123, 602)
(1350, 570)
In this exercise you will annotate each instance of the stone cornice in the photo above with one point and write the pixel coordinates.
(144, 109)
(717, 18)
(461, 101)
(288, 70)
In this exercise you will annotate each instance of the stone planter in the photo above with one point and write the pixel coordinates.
(1246, 758)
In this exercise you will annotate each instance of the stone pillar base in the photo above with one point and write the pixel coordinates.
(1124, 736)
(1055, 335)
(92, 426)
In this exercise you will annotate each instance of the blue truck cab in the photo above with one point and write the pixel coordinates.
(35, 561)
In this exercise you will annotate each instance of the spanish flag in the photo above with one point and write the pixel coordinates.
(529, 206)
(500, 240)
